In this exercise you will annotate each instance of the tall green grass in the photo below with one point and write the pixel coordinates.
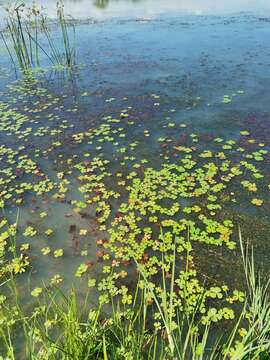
(28, 37)
(64, 327)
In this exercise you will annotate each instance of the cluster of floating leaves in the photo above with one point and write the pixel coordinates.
(146, 211)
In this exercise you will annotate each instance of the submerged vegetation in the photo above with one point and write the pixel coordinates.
(120, 227)
(28, 37)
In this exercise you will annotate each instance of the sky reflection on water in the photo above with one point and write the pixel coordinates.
(104, 9)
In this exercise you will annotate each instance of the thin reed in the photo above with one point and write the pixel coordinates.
(29, 36)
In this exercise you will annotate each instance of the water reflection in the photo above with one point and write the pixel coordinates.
(104, 9)
(193, 6)
(102, 4)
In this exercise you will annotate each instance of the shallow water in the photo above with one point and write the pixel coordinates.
(171, 68)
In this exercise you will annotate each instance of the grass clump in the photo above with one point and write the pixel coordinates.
(28, 37)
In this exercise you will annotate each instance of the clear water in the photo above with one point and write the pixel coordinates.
(190, 53)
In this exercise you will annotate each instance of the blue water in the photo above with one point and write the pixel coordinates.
(108, 9)
(191, 54)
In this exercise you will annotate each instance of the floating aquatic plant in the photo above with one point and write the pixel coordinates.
(58, 253)
(46, 250)
(150, 220)
(36, 292)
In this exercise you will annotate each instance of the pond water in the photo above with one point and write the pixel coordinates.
(154, 82)
(108, 9)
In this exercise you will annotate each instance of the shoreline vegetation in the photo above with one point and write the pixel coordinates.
(62, 326)
(167, 312)
(28, 38)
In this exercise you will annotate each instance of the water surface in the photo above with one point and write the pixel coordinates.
(168, 64)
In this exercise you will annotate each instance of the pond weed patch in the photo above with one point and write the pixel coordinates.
(140, 223)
